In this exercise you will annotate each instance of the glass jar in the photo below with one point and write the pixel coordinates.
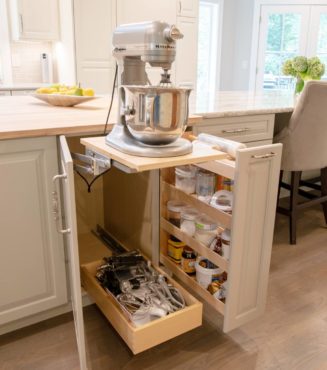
(188, 261)
(174, 209)
(185, 178)
(205, 230)
(188, 217)
(205, 185)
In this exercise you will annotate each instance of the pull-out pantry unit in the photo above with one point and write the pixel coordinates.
(255, 172)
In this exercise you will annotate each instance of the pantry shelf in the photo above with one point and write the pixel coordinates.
(173, 193)
(192, 284)
(194, 244)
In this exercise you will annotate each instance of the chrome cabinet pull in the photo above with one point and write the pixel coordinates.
(235, 131)
(264, 156)
(55, 205)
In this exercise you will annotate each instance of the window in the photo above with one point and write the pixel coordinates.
(208, 48)
(287, 31)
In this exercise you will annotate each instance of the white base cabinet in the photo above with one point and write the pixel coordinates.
(32, 258)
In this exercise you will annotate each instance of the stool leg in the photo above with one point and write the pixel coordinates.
(323, 176)
(295, 182)
(279, 185)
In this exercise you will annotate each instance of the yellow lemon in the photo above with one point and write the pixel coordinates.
(88, 92)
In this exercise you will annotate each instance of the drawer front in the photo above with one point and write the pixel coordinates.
(242, 129)
(149, 335)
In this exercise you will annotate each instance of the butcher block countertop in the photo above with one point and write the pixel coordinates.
(25, 116)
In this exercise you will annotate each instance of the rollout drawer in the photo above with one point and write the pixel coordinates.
(149, 335)
(243, 129)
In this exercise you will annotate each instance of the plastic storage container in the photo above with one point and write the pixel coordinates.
(225, 243)
(204, 275)
(222, 200)
(188, 217)
(174, 209)
(205, 185)
(185, 178)
(205, 230)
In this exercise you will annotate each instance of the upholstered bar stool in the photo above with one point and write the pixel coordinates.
(305, 148)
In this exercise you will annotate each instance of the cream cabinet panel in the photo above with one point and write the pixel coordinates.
(187, 8)
(34, 19)
(129, 11)
(186, 53)
(94, 24)
(32, 260)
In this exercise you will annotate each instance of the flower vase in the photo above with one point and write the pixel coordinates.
(298, 88)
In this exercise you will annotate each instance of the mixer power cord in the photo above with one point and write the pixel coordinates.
(89, 184)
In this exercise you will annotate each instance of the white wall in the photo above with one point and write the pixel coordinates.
(236, 44)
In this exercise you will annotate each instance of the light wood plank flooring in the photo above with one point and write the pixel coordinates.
(291, 335)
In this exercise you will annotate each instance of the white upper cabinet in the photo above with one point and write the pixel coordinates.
(130, 11)
(187, 8)
(94, 24)
(186, 53)
(34, 19)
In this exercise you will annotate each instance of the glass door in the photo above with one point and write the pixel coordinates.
(283, 35)
(317, 45)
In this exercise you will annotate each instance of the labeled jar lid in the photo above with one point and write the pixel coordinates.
(205, 223)
(186, 171)
(189, 213)
(176, 243)
(175, 205)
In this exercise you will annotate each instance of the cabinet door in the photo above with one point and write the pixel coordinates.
(254, 210)
(187, 8)
(32, 260)
(130, 11)
(94, 24)
(186, 53)
(36, 19)
(70, 232)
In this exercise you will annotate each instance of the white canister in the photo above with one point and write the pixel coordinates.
(225, 243)
(204, 275)
(188, 217)
(205, 230)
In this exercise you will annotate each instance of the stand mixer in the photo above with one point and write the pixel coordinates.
(151, 119)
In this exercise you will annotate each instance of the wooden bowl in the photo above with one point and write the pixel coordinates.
(63, 100)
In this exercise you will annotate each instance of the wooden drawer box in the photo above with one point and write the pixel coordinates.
(242, 129)
(149, 335)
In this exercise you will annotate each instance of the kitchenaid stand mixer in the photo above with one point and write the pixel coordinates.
(151, 119)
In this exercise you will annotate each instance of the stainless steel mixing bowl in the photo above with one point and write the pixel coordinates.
(154, 115)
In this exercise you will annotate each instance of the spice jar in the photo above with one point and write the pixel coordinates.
(188, 261)
(175, 249)
(225, 243)
(174, 209)
(185, 178)
(188, 216)
(205, 230)
(205, 185)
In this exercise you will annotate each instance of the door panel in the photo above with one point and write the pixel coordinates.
(32, 260)
(70, 231)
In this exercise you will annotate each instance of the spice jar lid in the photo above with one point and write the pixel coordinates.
(205, 223)
(189, 213)
(205, 173)
(186, 171)
(175, 205)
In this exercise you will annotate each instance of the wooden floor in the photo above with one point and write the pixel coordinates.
(292, 334)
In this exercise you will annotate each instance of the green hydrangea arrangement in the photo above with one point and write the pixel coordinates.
(303, 69)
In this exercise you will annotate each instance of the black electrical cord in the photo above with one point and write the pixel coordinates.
(89, 184)
(112, 100)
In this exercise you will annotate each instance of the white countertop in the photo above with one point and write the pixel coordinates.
(240, 103)
(21, 87)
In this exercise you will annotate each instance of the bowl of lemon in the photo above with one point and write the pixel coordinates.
(63, 95)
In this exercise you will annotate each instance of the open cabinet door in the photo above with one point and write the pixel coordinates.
(254, 210)
(68, 191)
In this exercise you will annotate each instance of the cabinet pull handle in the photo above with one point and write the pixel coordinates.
(55, 205)
(21, 23)
(235, 131)
(180, 7)
(264, 156)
